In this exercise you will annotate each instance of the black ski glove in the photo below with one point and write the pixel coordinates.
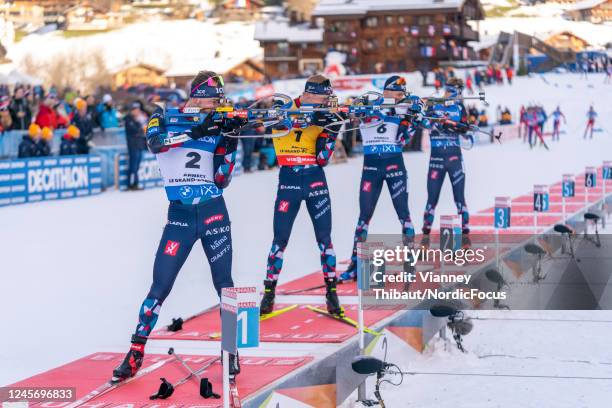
(211, 126)
(329, 121)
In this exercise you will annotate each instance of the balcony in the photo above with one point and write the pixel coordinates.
(282, 54)
(443, 30)
(339, 37)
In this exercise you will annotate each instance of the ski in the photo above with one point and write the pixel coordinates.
(343, 319)
(294, 291)
(234, 396)
(277, 312)
(112, 384)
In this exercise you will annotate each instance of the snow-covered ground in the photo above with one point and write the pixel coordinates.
(74, 272)
(531, 359)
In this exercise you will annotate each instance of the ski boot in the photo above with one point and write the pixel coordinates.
(350, 274)
(466, 242)
(132, 361)
(331, 298)
(267, 303)
(425, 241)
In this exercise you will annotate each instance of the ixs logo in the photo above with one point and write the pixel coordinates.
(214, 218)
(283, 206)
(392, 167)
(217, 230)
(57, 178)
(317, 184)
(367, 186)
(172, 248)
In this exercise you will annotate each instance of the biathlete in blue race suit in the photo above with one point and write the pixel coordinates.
(383, 162)
(195, 173)
(302, 154)
(446, 157)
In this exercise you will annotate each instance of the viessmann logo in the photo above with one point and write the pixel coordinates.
(57, 178)
(214, 218)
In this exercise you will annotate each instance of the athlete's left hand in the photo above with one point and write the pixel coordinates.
(328, 120)
(229, 125)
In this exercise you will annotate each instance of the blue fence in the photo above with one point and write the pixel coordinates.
(30, 180)
(148, 172)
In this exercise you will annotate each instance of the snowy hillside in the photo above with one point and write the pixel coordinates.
(75, 271)
(180, 46)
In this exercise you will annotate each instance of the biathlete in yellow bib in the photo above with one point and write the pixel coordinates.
(302, 154)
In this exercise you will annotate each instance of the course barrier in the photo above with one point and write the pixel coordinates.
(51, 178)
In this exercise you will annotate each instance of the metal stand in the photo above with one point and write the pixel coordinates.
(226, 385)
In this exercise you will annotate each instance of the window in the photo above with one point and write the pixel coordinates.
(401, 20)
(371, 22)
(389, 20)
(282, 49)
(341, 47)
(371, 44)
(389, 42)
(320, 22)
(401, 42)
(423, 20)
(283, 67)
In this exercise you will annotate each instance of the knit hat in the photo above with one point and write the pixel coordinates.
(34, 130)
(47, 133)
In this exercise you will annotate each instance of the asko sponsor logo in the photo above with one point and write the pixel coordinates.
(172, 248)
(213, 218)
(217, 230)
(283, 206)
(317, 184)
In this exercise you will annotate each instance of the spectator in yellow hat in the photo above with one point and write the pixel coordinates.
(27, 147)
(83, 119)
(43, 144)
(68, 146)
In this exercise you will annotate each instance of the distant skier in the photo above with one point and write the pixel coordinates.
(383, 162)
(557, 115)
(195, 174)
(591, 115)
(302, 154)
(534, 120)
(446, 157)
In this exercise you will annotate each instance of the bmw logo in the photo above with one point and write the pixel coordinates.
(186, 191)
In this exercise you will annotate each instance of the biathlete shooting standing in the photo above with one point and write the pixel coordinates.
(195, 173)
(450, 124)
(383, 162)
(302, 154)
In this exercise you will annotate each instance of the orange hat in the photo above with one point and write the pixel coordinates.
(80, 103)
(47, 133)
(73, 131)
(34, 130)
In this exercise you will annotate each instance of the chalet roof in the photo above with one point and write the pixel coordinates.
(585, 5)
(360, 7)
(281, 30)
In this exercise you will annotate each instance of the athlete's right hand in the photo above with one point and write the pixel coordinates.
(211, 126)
